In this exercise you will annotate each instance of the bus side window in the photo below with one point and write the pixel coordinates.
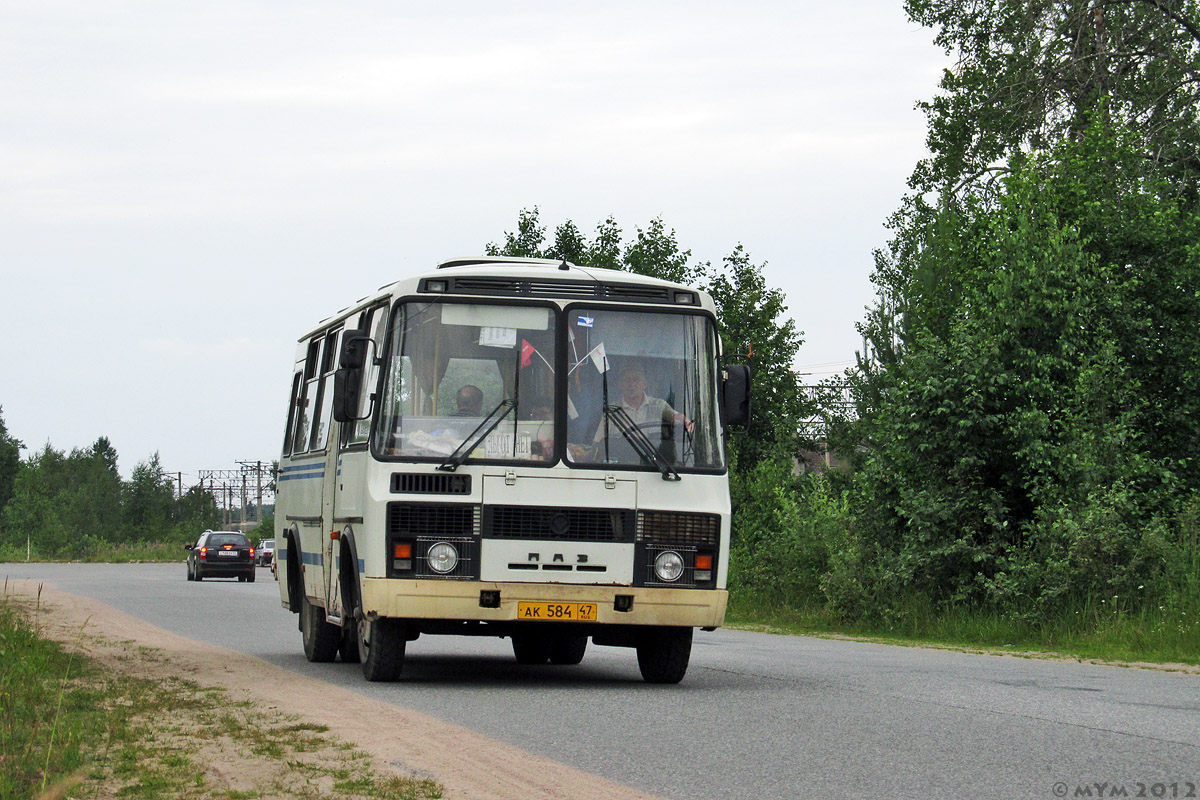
(289, 432)
(308, 393)
(324, 400)
(373, 320)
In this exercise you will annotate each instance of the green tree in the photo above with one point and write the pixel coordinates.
(149, 501)
(90, 497)
(1030, 75)
(33, 513)
(1026, 396)
(1029, 438)
(10, 458)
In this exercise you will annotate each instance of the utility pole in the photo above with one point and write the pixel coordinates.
(243, 520)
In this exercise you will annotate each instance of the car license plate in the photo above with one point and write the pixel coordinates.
(557, 612)
(227, 553)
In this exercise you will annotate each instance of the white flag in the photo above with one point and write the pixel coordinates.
(599, 358)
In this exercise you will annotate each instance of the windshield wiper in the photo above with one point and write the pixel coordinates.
(639, 441)
(455, 459)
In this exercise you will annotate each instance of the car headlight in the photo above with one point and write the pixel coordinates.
(442, 558)
(668, 566)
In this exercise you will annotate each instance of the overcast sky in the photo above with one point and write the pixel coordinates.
(186, 187)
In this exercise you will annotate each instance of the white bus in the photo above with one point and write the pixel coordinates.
(507, 447)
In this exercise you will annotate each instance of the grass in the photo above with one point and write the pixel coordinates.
(100, 552)
(70, 724)
(1103, 630)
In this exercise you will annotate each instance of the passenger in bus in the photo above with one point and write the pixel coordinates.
(542, 446)
(469, 402)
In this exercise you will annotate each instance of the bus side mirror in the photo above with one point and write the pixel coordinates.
(735, 395)
(347, 381)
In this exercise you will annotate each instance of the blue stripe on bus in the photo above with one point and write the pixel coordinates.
(305, 476)
(316, 559)
(303, 467)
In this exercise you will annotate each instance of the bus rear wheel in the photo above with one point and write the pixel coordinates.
(663, 654)
(320, 638)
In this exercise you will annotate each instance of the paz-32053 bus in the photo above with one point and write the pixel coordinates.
(518, 448)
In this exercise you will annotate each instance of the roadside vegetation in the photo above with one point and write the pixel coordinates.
(70, 726)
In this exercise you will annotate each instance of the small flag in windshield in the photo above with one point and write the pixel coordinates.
(599, 358)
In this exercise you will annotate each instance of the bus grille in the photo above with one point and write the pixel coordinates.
(675, 529)
(412, 520)
(558, 524)
(426, 483)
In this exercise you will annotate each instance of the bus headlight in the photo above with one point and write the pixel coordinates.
(668, 566)
(442, 558)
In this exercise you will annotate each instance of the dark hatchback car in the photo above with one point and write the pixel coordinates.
(220, 554)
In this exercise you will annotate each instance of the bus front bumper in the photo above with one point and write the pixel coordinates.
(463, 600)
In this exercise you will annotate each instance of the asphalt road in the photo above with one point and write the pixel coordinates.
(758, 716)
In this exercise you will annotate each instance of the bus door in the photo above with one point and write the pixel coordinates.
(329, 548)
(325, 439)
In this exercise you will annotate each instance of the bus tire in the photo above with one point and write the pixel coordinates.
(348, 649)
(531, 648)
(567, 650)
(663, 654)
(381, 644)
(320, 638)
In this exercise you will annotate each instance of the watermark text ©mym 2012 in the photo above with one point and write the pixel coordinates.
(1161, 789)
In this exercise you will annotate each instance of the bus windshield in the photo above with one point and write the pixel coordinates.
(454, 368)
(481, 382)
(641, 390)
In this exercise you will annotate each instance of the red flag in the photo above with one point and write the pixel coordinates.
(527, 351)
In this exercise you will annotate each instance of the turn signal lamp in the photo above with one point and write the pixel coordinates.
(402, 557)
(703, 562)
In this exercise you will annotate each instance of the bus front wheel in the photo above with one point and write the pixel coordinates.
(567, 650)
(381, 644)
(663, 654)
(531, 648)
